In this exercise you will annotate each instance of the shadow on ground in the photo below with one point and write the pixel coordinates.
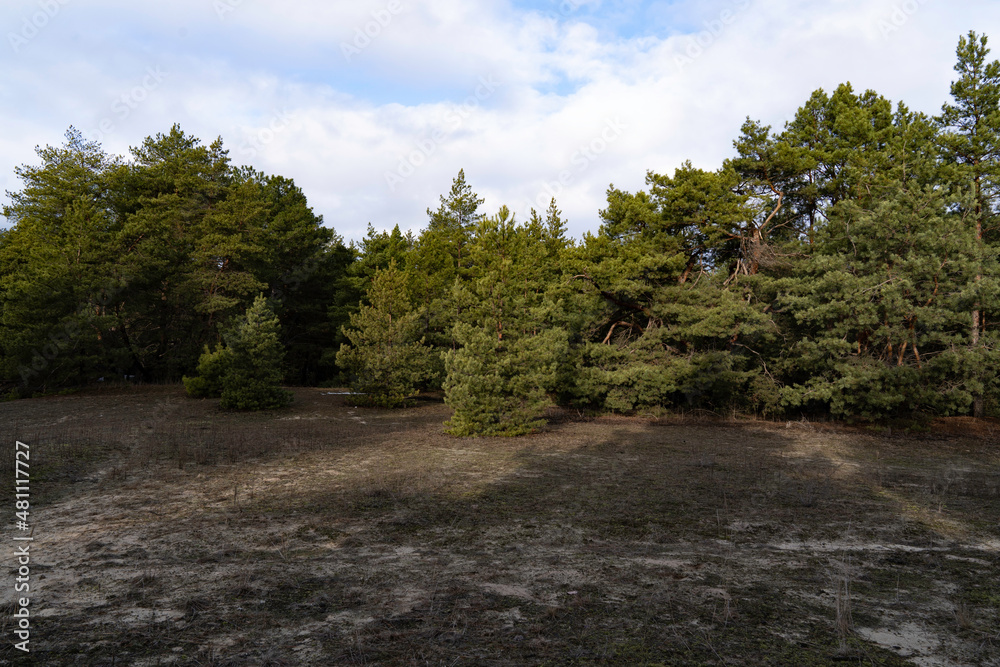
(328, 534)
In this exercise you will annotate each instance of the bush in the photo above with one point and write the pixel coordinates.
(212, 367)
(248, 393)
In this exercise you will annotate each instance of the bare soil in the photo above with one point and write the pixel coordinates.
(167, 532)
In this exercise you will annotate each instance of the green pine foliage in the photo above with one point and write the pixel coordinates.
(385, 356)
(441, 258)
(845, 264)
(252, 377)
(120, 267)
(881, 311)
(970, 141)
(668, 331)
(245, 372)
(212, 368)
(508, 343)
(59, 283)
(498, 387)
(376, 252)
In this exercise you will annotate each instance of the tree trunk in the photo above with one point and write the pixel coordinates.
(977, 400)
(978, 410)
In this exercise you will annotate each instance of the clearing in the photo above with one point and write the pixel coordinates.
(167, 532)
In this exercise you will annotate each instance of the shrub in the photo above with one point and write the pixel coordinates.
(212, 367)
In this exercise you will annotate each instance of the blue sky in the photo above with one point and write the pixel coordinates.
(373, 106)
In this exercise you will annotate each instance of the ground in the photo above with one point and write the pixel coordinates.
(167, 532)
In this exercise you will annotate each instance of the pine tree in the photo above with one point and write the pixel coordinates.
(972, 141)
(497, 387)
(167, 312)
(376, 252)
(509, 346)
(59, 285)
(666, 330)
(252, 378)
(385, 356)
(768, 169)
(441, 258)
(879, 310)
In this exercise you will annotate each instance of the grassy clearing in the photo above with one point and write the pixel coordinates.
(171, 533)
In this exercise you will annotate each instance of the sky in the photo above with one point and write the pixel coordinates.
(373, 106)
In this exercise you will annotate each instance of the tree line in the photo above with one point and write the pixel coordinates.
(845, 265)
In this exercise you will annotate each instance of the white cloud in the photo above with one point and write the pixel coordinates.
(561, 81)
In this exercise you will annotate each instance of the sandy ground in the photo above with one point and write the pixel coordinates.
(167, 532)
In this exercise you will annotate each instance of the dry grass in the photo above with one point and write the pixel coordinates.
(171, 533)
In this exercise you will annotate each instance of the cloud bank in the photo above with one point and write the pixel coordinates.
(373, 106)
